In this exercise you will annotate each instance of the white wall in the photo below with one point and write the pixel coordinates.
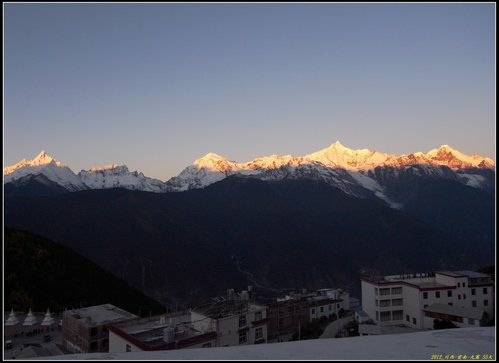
(118, 344)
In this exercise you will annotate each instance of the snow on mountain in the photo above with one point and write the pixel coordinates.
(445, 155)
(337, 155)
(45, 165)
(118, 176)
(361, 173)
(350, 170)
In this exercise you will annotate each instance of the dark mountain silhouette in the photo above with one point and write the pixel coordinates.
(185, 247)
(39, 273)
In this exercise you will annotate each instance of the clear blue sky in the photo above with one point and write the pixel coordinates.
(155, 86)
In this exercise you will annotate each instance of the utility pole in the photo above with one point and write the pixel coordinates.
(299, 332)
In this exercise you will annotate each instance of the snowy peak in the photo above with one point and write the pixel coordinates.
(340, 156)
(43, 164)
(41, 159)
(118, 176)
(109, 167)
(446, 155)
(215, 163)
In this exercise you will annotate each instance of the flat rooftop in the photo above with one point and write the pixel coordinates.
(101, 314)
(149, 333)
(225, 308)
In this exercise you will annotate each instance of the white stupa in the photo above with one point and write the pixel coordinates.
(12, 320)
(48, 319)
(30, 319)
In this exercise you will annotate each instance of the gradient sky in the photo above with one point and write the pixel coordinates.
(156, 86)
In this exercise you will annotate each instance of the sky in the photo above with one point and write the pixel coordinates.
(156, 86)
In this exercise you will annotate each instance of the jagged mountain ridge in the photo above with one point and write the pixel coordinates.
(362, 173)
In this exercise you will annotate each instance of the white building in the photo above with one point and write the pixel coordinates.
(236, 321)
(328, 302)
(402, 299)
(165, 332)
(85, 329)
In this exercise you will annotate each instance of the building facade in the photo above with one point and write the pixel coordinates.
(165, 332)
(288, 314)
(85, 330)
(236, 320)
(401, 299)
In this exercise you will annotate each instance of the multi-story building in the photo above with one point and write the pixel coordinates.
(85, 330)
(407, 299)
(235, 320)
(287, 314)
(165, 332)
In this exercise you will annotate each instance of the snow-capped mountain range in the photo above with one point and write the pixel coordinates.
(362, 173)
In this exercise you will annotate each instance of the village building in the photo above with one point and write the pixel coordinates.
(86, 329)
(416, 300)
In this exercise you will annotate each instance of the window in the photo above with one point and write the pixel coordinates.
(473, 303)
(471, 321)
(385, 315)
(397, 315)
(93, 346)
(337, 306)
(449, 293)
(425, 295)
(414, 321)
(105, 343)
(407, 318)
(207, 345)
(459, 297)
(464, 296)
(128, 348)
(451, 304)
(485, 302)
(322, 309)
(464, 284)
(425, 306)
(384, 292)
(258, 315)
(375, 291)
(259, 333)
(377, 315)
(375, 302)
(384, 303)
(437, 294)
(242, 320)
(330, 308)
(485, 291)
(473, 292)
(313, 310)
(243, 338)
(458, 284)
(93, 332)
(396, 290)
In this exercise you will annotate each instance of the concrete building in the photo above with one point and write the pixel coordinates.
(235, 320)
(85, 329)
(164, 332)
(287, 314)
(402, 299)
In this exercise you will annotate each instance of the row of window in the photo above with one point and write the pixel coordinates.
(388, 302)
(243, 337)
(449, 294)
(398, 290)
(388, 291)
(390, 315)
(473, 303)
(321, 309)
(243, 322)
